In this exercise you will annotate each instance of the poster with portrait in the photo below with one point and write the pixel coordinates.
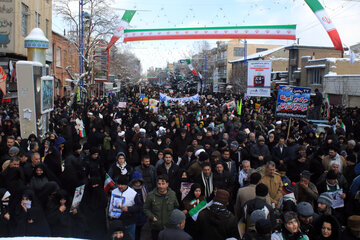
(47, 94)
(337, 201)
(116, 202)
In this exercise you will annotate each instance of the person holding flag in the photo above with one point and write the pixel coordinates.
(193, 203)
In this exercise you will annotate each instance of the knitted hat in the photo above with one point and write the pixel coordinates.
(257, 215)
(222, 196)
(288, 186)
(94, 150)
(14, 150)
(305, 209)
(325, 198)
(263, 226)
(261, 190)
(290, 215)
(261, 138)
(76, 146)
(176, 217)
(305, 174)
(354, 222)
(122, 180)
(234, 144)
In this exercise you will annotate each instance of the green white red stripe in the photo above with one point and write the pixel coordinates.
(109, 183)
(124, 24)
(194, 212)
(287, 32)
(192, 69)
(327, 23)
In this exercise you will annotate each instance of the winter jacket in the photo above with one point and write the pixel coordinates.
(216, 222)
(309, 194)
(274, 184)
(160, 206)
(174, 233)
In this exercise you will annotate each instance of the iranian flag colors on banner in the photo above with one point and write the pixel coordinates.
(194, 212)
(124, 24)
(287, 32)
(191, 67)
(109, 183)
(325, 20)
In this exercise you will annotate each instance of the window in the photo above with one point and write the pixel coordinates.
(316, 75)
(239, 51)
(58, 57)
(261, 50)
(47, 28)
(37, 19)
(24, 19)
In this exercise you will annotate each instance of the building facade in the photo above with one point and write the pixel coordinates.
(18, 18)
(64, 55)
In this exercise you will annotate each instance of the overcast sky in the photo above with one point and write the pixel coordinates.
(214, 13)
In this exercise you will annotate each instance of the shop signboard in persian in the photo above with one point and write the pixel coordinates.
(259, 78)
(293, 101)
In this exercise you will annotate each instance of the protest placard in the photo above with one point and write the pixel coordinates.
(292, 101)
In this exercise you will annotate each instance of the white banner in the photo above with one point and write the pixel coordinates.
(259, 78)
(216, 81)
(164, 98)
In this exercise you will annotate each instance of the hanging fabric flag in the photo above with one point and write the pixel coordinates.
(188, 62)
(352, 56)
(238, 107)
(325, 20)
(109, 183)
(198, 115)
(327, 107)
(3, 78)
(124, 24)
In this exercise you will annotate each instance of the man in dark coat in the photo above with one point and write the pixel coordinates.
(216, 222)
(258, 153)
(279, 153)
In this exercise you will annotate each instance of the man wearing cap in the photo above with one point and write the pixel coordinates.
(130, 204)
(159, 204)
(175, 228)
(307, 218)
(216, 222)
(306, 191)
(258, 152)
(324, 204)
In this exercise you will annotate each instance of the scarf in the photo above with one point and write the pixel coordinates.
(208, 185)
(122, 168)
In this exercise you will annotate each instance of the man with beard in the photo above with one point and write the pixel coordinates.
(148, 172)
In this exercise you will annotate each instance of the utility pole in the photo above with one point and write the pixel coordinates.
(81, 42)
(205, 72)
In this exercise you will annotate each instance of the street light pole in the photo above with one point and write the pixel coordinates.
(205, 72)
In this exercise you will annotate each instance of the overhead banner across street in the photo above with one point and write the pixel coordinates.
(165, 98)
(259, 78)
(281, 32)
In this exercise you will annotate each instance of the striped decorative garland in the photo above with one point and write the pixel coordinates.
(285, 32)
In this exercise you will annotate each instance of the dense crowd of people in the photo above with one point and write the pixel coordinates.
(189, 171)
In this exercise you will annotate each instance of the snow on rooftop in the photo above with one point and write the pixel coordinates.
(331, 74)
(259, 54)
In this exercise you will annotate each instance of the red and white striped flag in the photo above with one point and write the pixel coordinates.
(325, 20)
(109, 183)
(124, 24)
(192, 69)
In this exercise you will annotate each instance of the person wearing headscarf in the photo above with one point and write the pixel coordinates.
(192, 199)
(120, 167)
(327, 228)
(290, 229)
